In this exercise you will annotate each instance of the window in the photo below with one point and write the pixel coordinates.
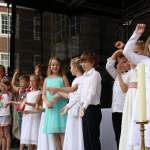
(4, 59)
(74, 25)
(36, 28)
(37, 59)
(60, 27)
(5, 24)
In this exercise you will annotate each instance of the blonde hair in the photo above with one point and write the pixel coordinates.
(37, 78)
(76, 62)
(146, 49)
(49, 71)
(139, 47)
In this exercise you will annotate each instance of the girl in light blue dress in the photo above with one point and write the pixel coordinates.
(54, 123)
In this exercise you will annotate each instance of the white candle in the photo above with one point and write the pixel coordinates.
(141, 92)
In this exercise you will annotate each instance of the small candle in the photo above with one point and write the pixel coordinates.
(141, 93)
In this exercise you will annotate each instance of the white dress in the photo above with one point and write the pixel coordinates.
(136, 59)
(127, 112)
(45, 141)
(73, 133)
(30, 122)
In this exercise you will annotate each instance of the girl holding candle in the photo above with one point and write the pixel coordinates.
(129, 102)
(142, 58)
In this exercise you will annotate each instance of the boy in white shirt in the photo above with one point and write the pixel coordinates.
(90, 99)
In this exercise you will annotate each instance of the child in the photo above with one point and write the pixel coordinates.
(119, 89)
(129, 102)
(31, 121)
(90, 99)
(38, 72)
(136, 59)
(73, 133)
(54, 123)
(5, 116)
(20, 91)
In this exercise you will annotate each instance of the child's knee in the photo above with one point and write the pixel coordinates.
(1, 133)
(7, 132)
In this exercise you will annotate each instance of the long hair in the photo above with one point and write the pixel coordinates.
(49, 71)
(146, 49)
(76, 62)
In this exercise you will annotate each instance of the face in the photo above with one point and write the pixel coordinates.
(123, 64)
(86, 65)
(23, 83)
(33, 82)
(37, 71)
(73, 69)
(55, 66)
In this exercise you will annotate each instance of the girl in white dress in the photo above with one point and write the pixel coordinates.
(129, 103)
(30, 120)
(73, 133)
(5, 116)
(135, 58)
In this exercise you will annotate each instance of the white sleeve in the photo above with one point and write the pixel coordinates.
(110, 67)
(128, 50)
(75, 96)
(73, 99)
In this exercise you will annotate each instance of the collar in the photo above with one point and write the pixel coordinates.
(89, 72)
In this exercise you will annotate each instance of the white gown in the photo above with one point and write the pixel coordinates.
(30, 122)
(73, 133)
(45, 141)
(127, 113)
(136, 59)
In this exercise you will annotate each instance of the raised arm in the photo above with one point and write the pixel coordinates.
(13, 82)
(110, 65)
(130, 45)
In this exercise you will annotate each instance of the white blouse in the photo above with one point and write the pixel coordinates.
(5, 98)
(118, 96)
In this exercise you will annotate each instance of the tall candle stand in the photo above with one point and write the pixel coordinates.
(142, 129)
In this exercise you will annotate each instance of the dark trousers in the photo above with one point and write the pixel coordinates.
(117, 119)
(91, 127)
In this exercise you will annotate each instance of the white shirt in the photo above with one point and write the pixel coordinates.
(118, 96)
(91, 88)
(5, 98)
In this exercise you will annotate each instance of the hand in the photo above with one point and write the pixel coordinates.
(140, 28)
(119, 45)
(8, 104)
(117, 53)
(52, 90)
(81, 113)
(51, 103)
(64, 110)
